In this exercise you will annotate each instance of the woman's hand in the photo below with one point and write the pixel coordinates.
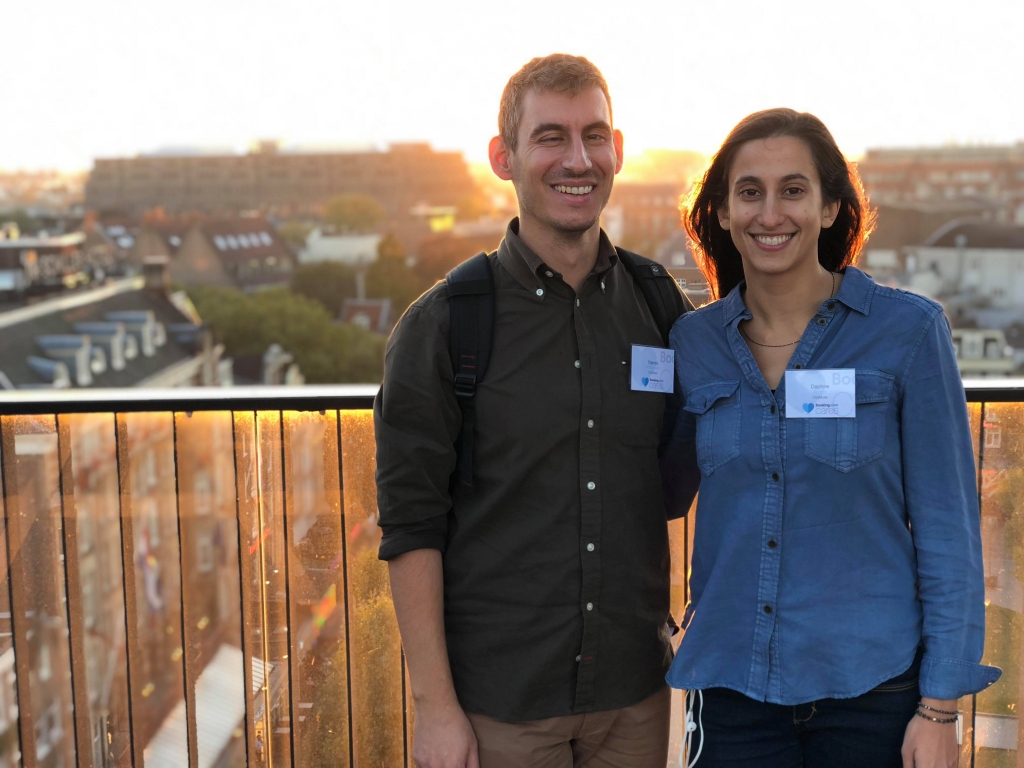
(931, 745)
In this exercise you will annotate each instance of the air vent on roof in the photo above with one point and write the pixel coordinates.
(186, 334)
(233, 242)
(53, 372)
(72, 350)
(266, 238)
(220, 242)
(112, 338)
(147, 332)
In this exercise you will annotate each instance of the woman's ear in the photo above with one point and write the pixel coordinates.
(829, 214)
(723, 216)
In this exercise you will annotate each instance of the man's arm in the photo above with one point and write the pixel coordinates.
(416, 421)
(443, 736)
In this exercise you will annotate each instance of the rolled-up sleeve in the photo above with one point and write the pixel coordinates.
(416, 420)
(942, 502)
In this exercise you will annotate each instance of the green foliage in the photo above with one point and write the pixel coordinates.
(355, 214)
(329, 283)
(26, 224)
(295, 233)
(327, 353)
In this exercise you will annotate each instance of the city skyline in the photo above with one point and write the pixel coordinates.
(116, 79)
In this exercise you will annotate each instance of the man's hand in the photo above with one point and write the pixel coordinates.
(444, 738)
(931, 745)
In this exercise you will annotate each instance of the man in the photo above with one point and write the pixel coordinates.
(533, 599)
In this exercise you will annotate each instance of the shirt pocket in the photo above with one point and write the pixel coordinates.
(717, 406)
(845, 444)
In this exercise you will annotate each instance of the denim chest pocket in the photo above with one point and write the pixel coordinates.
(845, 444)
(717, 406)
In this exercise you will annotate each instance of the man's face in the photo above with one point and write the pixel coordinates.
(565, 161)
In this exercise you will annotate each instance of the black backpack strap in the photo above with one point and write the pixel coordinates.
(664, 297)
(471, 307)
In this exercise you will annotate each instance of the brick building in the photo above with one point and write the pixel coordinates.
(989, 175)
(286, 183)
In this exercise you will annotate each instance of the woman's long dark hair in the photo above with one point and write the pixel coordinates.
(838, 246)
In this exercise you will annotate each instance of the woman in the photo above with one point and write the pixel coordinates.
(837, 594)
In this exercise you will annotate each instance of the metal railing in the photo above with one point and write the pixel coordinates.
(254, 627)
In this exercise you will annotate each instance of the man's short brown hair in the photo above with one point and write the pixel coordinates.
(557, 72)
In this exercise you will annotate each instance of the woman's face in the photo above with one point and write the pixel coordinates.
(774, 210)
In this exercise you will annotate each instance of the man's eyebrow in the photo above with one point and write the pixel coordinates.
(545, 127)
(600, 125)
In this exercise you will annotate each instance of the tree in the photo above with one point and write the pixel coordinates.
(294, 233)
(355, 214)
(328, 283)
(327, 353)
(25, 223)
(391, 277)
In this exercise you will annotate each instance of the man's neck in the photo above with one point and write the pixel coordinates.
(572, 254)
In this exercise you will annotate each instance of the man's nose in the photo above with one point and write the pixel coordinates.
(578, 159)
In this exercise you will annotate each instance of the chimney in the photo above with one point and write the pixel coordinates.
(155, 270)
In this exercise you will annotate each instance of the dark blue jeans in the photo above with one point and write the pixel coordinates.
(862, 732)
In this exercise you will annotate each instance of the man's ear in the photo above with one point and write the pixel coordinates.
(723, 216)
(829, 214)
(501, 158)
(617, 142)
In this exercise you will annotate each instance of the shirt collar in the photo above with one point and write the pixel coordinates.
(525, 266)
(855, 292)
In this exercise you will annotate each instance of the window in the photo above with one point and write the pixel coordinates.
(204, 553)
(993, 437)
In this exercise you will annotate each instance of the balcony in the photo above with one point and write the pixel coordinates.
(190, 579)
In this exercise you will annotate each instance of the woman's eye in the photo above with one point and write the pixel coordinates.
(793, 191)
(750, 193)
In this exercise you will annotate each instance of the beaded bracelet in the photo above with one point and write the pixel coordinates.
(919, 713)
(922, 705)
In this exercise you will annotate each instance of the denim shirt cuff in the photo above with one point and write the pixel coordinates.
(953, 678)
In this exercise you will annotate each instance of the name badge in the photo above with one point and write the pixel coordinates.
(825, 394)
(653, 369)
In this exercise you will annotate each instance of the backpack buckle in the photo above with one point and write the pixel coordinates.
(465, 384)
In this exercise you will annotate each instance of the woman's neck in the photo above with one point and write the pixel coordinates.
(784, 304)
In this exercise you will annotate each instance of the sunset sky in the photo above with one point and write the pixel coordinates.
(113, 77)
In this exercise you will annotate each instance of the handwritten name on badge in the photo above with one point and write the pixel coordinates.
(825, 394)
(653, 369)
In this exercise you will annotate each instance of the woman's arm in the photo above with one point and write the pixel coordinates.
(941, 493)
(942, 503)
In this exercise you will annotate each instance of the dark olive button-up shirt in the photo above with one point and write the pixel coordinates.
(556, 561)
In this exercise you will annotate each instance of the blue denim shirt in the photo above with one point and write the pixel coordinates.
(827, 550)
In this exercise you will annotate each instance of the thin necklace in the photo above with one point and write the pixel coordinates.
(780, 346)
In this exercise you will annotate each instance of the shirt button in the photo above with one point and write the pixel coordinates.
(577, 363)
(579, 658)
(549, 273)
(775, 476)
(773, 409)
(577, 302)
(822, 321)
(772, 544)
(540, 291)
(590, 606)
(591, 485)
(767, 609)
(590, 547)
(831, 306)
(602, 286)
(590, 424)
(798, 367)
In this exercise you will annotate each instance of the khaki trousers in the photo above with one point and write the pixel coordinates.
(634, 737)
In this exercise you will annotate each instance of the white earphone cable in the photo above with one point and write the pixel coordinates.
(686, 758)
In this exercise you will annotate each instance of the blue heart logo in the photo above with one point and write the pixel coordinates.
(645, 381)
(808, 407)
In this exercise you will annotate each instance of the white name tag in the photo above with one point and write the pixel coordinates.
(653, 369)
(827, 394)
